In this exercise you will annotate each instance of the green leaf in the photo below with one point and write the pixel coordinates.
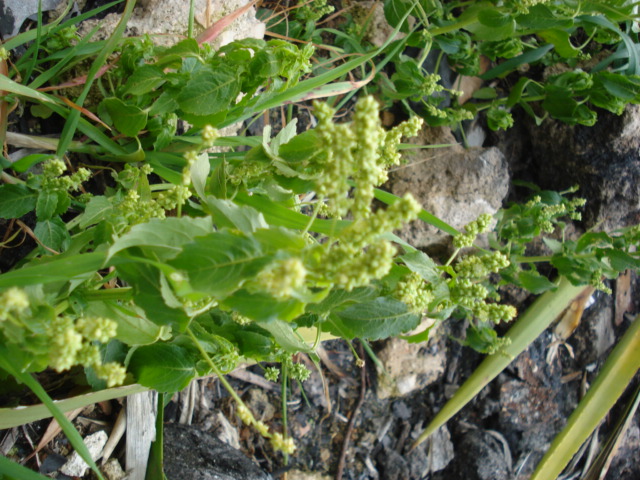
(534, 282)
(98, 209)
(285, 337)
(510, 65)
(16, 200)
(148, 294)
(162, 367)
(128, 119)
(133, 327)
(492, 25)
(341, 298)
(53, 234)
(395, 12)
(46, 204)
(144, 79)
(166, 103)
(208, 92)
(622, 86)
(54, 269)
(199, 173)
(219, 263)
(262, 307)
(621, 261)
(227, 213)
(164, 237)
(420, 263)
(561, 41)
(381, 318)
(540, 17)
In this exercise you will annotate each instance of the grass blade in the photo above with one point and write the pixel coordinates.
(617, 372)
(528, 327)
(13, 417)
(11, 471)
(13, 87)
(67, 427)
(72, 121)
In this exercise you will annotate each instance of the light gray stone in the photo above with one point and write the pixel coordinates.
(453, 183)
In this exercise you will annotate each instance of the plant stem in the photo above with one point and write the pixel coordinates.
(285, 378)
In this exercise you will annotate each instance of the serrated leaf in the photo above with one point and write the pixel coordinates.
(534, 282)
(165, 237)
(342, 298)
(219, 263)
(46, 204)
(554, 245)
(165, 103)
(593, 239)
(208, 92)
(420, 263)
(53, 234)
(147, 294)
(16, 200)
(99, 208)
(381, 318)
(144, 79)
(228, 214)
(263, 307)
(285, 337)
(561, 41)
(162, 367)
(133, 327)
(128, 119)
(621, 261)
(540, 17)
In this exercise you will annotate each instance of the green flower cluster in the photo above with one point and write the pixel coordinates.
(414, 292)
(311, 11)
(389, 154)
(544, 214)
(479, 267)
(282, 278)
(72, 343)
(53, 180)
(12, 302)
(472, 230)
(361, 150)
(349, 269)
(472, 296)
(209, 136)
(272, 374)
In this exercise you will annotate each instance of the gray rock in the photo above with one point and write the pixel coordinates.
(453, 183)
(197, 455)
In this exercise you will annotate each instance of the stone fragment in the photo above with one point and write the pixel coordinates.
(167, 21)
(453, 183)
(113, 471)
(408, 367)
(76, 466)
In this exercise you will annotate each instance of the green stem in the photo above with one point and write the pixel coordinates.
(285, 378)
(214, 368)
(455, 26)
(192, 6)
(122, 293)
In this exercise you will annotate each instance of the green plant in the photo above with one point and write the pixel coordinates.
(190, 261)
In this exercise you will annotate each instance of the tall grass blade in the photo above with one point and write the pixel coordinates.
(72, 121)
(528, 327)
(616, 373)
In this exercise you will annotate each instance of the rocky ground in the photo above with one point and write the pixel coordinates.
(359, 423)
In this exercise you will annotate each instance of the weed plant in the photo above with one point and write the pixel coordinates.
(191, 261)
